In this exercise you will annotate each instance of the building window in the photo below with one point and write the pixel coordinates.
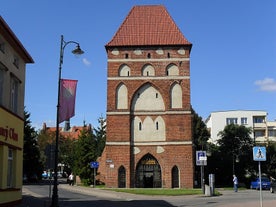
(259, 134)
(2, 46)
(272, 133)
(169, 55)
(16, 61)
(243, 120)
(2, 72)
(258, 119)
(149, 55)
(126, 56)
(156, 125)
(14, 94)
(10, 168)
(231, 121)
(140, 126)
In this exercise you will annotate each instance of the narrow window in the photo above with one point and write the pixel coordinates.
(2, 47)
(127, 73)
(2, 73)
(140, 126)
(243, 120)
(16, 61)
(156, 125)
(147, 73)
(168, 55)
(10, 168)
(14, 95)
(126, 56)
(156, 95)
(148, 55)
(138, 95)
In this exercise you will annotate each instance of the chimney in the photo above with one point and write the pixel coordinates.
(67, 125)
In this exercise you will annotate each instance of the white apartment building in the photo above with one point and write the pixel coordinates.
(262, 130)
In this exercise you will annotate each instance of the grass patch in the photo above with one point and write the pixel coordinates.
(160, 191)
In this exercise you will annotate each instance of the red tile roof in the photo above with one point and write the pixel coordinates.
(148, 25)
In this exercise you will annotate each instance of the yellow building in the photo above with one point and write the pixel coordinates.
(13, 60)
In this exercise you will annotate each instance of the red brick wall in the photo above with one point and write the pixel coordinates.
(178, 125)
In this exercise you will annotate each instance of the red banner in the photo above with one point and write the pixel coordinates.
(67, 99)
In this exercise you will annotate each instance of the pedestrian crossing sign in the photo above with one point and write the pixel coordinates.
(259, 153)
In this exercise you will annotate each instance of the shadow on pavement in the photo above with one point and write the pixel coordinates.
(30, 201)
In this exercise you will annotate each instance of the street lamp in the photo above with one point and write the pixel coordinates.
(76, 51)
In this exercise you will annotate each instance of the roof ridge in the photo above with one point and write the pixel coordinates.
(148, 25)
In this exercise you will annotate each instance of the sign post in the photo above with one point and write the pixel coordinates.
(201, 160)
(259, 154)
(94, 165)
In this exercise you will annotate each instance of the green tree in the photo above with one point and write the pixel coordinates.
(269, 166)
(85, 153)
(32, 164)
(45, 142)
(200, 136)
(200, 132)
(100, 136)
(235, 152)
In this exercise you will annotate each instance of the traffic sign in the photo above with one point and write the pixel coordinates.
(201, 158)
(94, 164)
(259, 153)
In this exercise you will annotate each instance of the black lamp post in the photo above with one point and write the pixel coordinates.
(76, 51)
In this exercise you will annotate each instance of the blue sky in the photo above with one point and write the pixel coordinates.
(233, 58)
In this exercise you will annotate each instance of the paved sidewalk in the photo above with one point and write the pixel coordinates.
(31, 199)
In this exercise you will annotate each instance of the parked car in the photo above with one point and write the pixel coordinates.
(273, 185)
(256, 183)
(44, 175)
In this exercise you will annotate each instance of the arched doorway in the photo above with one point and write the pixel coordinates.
(148, 173)
(175, 177)
(122, 177)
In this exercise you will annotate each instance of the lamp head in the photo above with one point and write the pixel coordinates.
(78, 50)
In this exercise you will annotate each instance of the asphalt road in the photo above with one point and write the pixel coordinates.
(73, 196)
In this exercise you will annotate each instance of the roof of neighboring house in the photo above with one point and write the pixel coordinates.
(8, 34)
(148, 25)
(72, 132)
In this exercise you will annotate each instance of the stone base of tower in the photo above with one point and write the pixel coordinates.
(147, 166)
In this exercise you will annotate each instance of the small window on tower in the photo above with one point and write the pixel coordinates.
(140, 126)
(149, 55)
(126, 55)
(156, 95)
(156, 125)
(168, 55)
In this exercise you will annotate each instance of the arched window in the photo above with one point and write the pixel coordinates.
(175, 177)
(122, 177)
(124, 70)
(176, 96)
(172, 70)
(121, 97)
(148, 70)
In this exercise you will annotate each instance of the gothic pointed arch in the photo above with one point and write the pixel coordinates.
(121, 96)
(124, 70)
(148, 70)
(147, 98)
(148, 172)
(121, 177)
(172, 70)
(175, 177)
(176, 96)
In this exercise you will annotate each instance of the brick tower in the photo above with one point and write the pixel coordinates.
(148, 140)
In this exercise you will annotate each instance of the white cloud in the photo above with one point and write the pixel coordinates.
(86, 62)
(267, 84)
